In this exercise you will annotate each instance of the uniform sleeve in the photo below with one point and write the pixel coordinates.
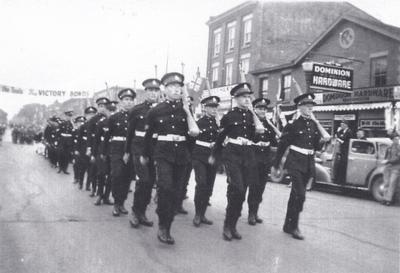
(90, 132)
(284, 142)
(148, 138)
(106, 136)
(223, 132)
(131, 131)
(318, 143)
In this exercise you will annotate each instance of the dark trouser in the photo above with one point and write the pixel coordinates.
(205, 177)
(144, 185)
(52, 156)
(103, 178)
(64, 156)
(82, 162)
(297, 197)
(185, 183)
(239, 176)
(91, 180)
(169, 179)
(120, 175)
(256, 190)
(340, 168)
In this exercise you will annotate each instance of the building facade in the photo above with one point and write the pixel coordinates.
(256, 35)
(371, 49)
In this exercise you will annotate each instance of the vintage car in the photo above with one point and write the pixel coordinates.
(364, 168)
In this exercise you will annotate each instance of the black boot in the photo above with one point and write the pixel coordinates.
(122, 209)
(296, 234)
(203, 217)
(106, 201)
(235, 234)
(170, 239)
(258, 219)
(93, 193)
(144, 221)
(162, 234)
(252, 218)
(115, 211)
(227, 233)
(134, 221)
(196, 220)
(98, 201)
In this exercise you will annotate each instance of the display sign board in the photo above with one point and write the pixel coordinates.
(345, 117)
(370, 94)
(376, 123)
(331, 78)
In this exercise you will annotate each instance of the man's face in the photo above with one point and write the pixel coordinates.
(173, 91)
(89, 116)
(126, 103)
(396, 140)
(243, 101)
(152, 94)
(343, 125)
(360, 134)
(101, 108)
(261, 112)
(306, 109)
(211, 110)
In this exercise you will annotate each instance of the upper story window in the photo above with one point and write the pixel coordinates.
(264, 87)
(286, 83)
(379, 71)
(215, 70)
(245, 63)
(231, 36)
(247, 23)
(228, 72)
(217, 42)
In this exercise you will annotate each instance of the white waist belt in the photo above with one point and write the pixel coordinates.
(302, 150)
(142, 134)
(118, 138)
(172, 137)
(85, 138)
(66, 135)
(205, 143)
(262, 144)
(240, 141)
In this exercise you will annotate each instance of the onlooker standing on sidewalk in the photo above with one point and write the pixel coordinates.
(392, 170)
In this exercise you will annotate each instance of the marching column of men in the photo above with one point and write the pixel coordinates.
(162, 142)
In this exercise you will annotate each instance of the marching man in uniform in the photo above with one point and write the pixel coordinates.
(134, 148)
(302, 137)
(173, 123)
(114, 144)
(238, 129)
(262, 148)
(66, 142)
(205, 172)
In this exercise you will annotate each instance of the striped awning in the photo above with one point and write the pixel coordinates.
(352, 107)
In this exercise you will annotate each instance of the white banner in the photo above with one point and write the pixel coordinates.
(59, 94)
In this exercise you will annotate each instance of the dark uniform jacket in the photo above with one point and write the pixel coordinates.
(344, 137)
(263, 143)
(166, 118)
(65, 133)
(117, 125)
(91, 129)
(302, 133)
(137, 122)
(101, 131)
(208, 133)
(237, 123)
(82, 137)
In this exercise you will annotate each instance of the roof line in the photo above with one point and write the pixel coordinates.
(215, 18)
(323, 35)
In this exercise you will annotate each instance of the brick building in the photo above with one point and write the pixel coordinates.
(257, 35)
(371, 49)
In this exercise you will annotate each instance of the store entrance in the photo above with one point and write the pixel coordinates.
(350, 117)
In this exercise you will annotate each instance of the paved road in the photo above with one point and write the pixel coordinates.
(48, 225)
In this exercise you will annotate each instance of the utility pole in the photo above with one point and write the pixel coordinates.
(183, 68)
(155, 71)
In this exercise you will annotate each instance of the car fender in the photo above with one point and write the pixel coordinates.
(374, 173)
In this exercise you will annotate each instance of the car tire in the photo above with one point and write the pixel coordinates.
(376, 188)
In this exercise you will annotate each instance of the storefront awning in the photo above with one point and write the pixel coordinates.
(352, 107)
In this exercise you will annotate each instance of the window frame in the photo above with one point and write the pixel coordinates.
(380, 75)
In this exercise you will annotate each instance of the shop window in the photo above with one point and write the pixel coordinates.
(286, 83)
(378, 71)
